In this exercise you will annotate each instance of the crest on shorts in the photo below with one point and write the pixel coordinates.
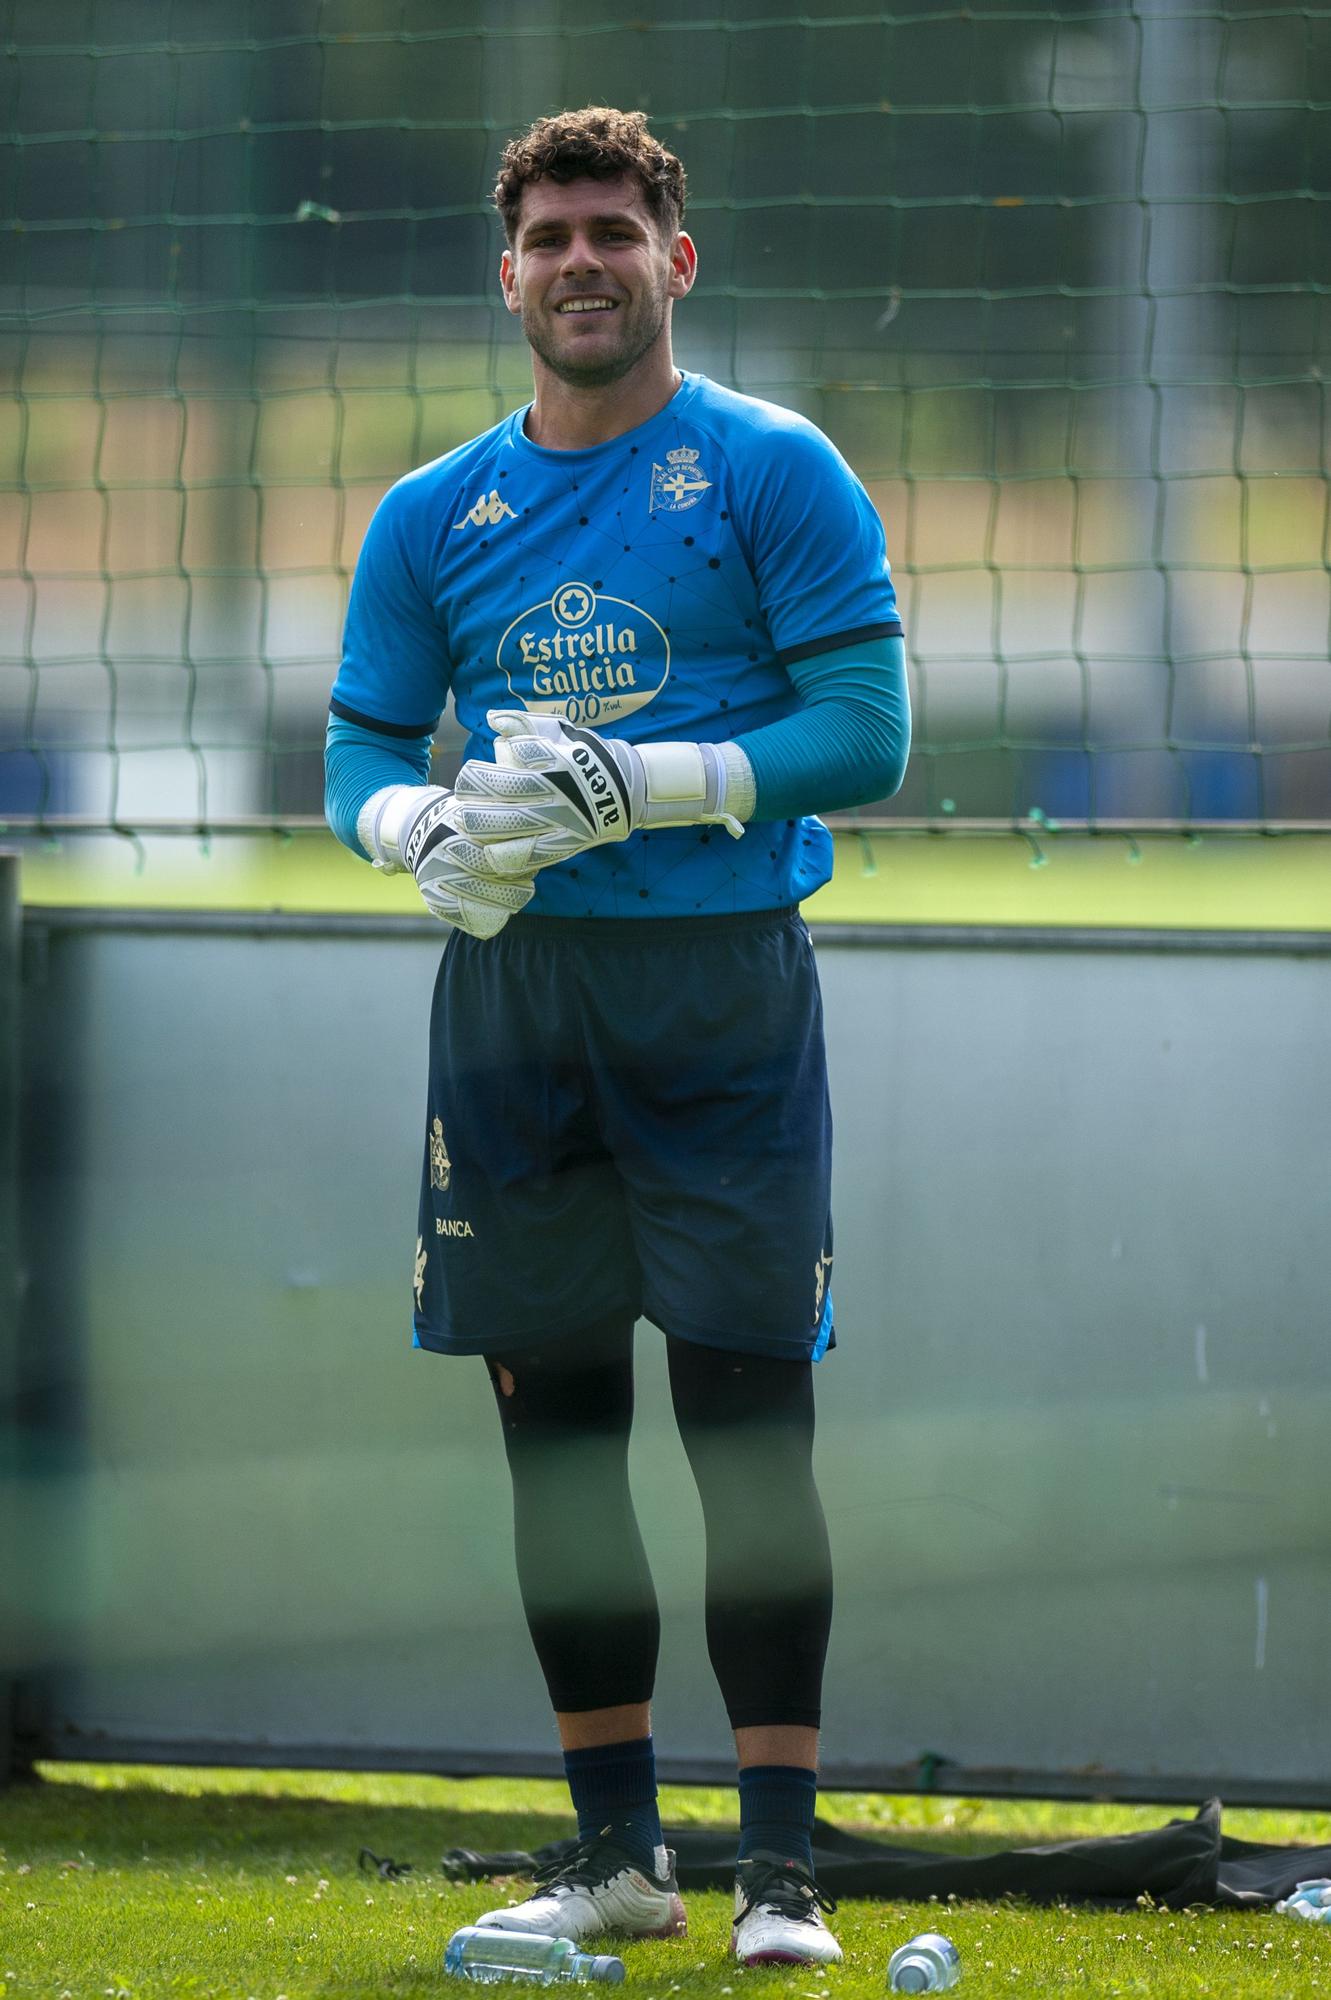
(441, 1167)
(419, 1281)
(678, 484)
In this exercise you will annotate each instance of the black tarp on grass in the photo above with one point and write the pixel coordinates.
(1186, 1861)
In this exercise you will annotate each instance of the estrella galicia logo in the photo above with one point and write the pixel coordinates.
(584, 656)
(679, 483)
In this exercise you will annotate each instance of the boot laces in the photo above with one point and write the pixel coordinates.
(586, 1864)
(783, 1886)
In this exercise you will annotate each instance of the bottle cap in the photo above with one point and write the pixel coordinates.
(611, 1970)
(913, 1975)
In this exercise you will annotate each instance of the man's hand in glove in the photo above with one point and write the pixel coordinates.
(555, 789)
(415, 827)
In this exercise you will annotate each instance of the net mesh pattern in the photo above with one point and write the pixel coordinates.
(1054, 280)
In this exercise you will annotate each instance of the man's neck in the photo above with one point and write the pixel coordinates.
(564, 417)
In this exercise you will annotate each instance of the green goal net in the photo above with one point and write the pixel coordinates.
(1055, 281)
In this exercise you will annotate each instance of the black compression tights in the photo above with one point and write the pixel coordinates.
(747, 1424)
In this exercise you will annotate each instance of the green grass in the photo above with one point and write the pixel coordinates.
(120, 1883)
(1210, 883)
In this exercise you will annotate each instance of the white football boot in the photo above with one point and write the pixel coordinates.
(597, 1890)
(779, 1915)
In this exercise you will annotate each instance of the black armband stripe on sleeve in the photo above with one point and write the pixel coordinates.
(340, 709)
(836, 642)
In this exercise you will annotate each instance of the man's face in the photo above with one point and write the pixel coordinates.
(592, 277)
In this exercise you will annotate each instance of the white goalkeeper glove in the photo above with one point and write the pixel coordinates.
(555, 789)
(415, 827)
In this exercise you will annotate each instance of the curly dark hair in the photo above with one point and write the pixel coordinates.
(598, 144)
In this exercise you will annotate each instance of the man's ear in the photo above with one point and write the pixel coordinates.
(508, 282)
(683, 266)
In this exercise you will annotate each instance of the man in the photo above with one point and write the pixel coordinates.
(665, 615)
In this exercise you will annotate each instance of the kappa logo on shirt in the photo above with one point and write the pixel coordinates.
(488, 512)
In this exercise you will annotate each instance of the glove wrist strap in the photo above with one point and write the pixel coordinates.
(740, 796)
(382, 821)
(687, 784)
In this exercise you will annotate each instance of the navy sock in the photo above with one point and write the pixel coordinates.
(614, 1786)
(776, 1805)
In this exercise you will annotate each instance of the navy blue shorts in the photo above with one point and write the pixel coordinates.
(628, 1116)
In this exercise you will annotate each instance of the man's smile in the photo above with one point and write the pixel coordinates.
(586, 305)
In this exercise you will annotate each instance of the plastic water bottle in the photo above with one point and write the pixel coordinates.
(1311, 1900)
(487, 1955)
(926, 1965)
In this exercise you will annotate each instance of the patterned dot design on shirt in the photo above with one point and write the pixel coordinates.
(697, 585)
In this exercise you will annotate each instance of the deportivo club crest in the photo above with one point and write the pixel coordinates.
(678, 484)
(441, 1167)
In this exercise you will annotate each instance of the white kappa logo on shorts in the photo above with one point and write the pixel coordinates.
(822, 1271)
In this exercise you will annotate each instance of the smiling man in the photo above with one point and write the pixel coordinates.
(665, 615)
(599, 275)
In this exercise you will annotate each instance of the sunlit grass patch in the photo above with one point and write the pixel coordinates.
(123, 1882)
